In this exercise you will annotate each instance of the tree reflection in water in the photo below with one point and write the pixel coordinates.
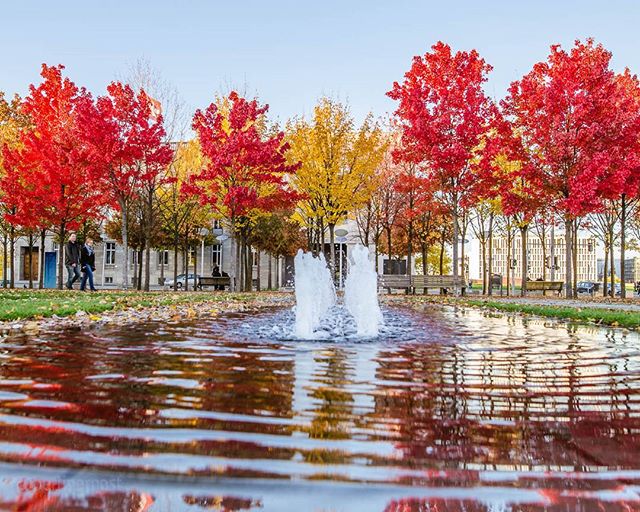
(478, 406)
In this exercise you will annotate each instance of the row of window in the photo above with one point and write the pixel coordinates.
(162, 256)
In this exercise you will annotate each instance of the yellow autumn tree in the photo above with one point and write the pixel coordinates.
(338, 163)
(12, 122)
(181, 213)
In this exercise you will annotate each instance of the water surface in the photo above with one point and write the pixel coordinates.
(446, 410)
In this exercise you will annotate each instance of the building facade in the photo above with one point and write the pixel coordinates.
(632, 269)
(110, 259)
(538, 263)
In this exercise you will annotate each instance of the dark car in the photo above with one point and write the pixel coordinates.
(617, 288)
(588, 287)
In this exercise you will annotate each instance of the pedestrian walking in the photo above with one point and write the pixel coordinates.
(72, 260)
(88, 264)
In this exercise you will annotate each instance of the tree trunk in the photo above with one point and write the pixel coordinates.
(62, 233)
(410, 248)
(605, 278)
(269, 281)
(442, 241)
(332, 252)
(30, 261)
(147, 269)
(623, 222)
(139, 283)
(241, 266)
(388, 231)
(612, 266)
(544, 257)
(509, 260)
(125, 244)
(162, 266)
(147, 235)
(185, 265)
(425, 264)
(483, 249)
(575, 257)
(175, 263)
(258, 287)
(490, 263)
(5, 258)
(234, 257)
(248, 268)
(524, 232)
(376, 255)
(456, 261)
(568, 243)
(195, 269)
(12, 255)
(43, 238)
(463, 263)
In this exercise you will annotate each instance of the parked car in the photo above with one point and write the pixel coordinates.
(181, 281)
(588, 287)
(617, 288)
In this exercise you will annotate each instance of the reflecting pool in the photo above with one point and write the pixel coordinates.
(448, 409)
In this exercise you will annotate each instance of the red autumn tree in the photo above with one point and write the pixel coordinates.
(443, 113)
(567, 112)
(621, 182)
(506, 170)
(49, 169)
(245, 169)
(415, 192)
(126, 149)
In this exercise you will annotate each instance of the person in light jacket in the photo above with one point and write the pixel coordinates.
(88, 264)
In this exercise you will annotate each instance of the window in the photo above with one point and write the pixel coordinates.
(254, 258)
(163, 258)
(108, 280)
(192, 256)
(216, 255)
(217, 224)
(134, 257)
(110, 254)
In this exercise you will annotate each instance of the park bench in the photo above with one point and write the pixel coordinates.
(407, 283)
(543, 286)
(218, 282)
(442, 282)
(394, 282)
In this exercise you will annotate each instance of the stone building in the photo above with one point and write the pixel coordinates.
(110, 258)
(632, 269)
(537, 266)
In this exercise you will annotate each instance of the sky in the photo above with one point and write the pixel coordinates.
(290, 53)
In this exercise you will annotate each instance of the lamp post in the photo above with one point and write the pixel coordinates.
(203, 233)
(341, 237)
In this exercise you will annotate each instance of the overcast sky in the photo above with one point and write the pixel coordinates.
(291, 52)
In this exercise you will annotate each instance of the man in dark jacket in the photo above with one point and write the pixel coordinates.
(88, 264)
(72, 260)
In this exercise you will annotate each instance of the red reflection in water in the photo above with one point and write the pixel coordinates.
(222, 503)
(499, 404)
(40, 496)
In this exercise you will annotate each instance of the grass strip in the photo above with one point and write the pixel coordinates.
(33, 304)
(601, 316)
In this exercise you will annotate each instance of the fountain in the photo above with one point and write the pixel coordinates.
(317, 315)
(315, 293)
(361, 293)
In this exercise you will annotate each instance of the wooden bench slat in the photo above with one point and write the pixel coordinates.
(420, 281)
(214, 281)
(545, 285)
